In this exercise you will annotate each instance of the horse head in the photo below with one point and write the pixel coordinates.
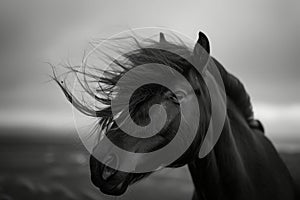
(191, 95)
(105, 175)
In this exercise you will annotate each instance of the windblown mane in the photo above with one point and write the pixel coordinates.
(147, 51)
(100, 84)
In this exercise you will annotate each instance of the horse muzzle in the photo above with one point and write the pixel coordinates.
(107, 179)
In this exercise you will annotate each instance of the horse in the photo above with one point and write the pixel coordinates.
(243, 163)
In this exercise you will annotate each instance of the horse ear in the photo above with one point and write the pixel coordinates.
(203, 41)
(201, 51)
(162, 38)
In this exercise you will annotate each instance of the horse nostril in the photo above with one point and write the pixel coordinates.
(110, 167)
(108, 172)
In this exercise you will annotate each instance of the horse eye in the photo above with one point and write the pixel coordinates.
(178, 97)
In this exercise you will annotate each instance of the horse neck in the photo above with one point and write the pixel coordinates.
(222, 172)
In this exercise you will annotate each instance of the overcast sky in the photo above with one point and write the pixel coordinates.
(257, 40)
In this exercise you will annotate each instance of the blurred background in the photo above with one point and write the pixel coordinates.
(41, 154)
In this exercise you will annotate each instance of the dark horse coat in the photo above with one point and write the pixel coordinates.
(244, 164)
